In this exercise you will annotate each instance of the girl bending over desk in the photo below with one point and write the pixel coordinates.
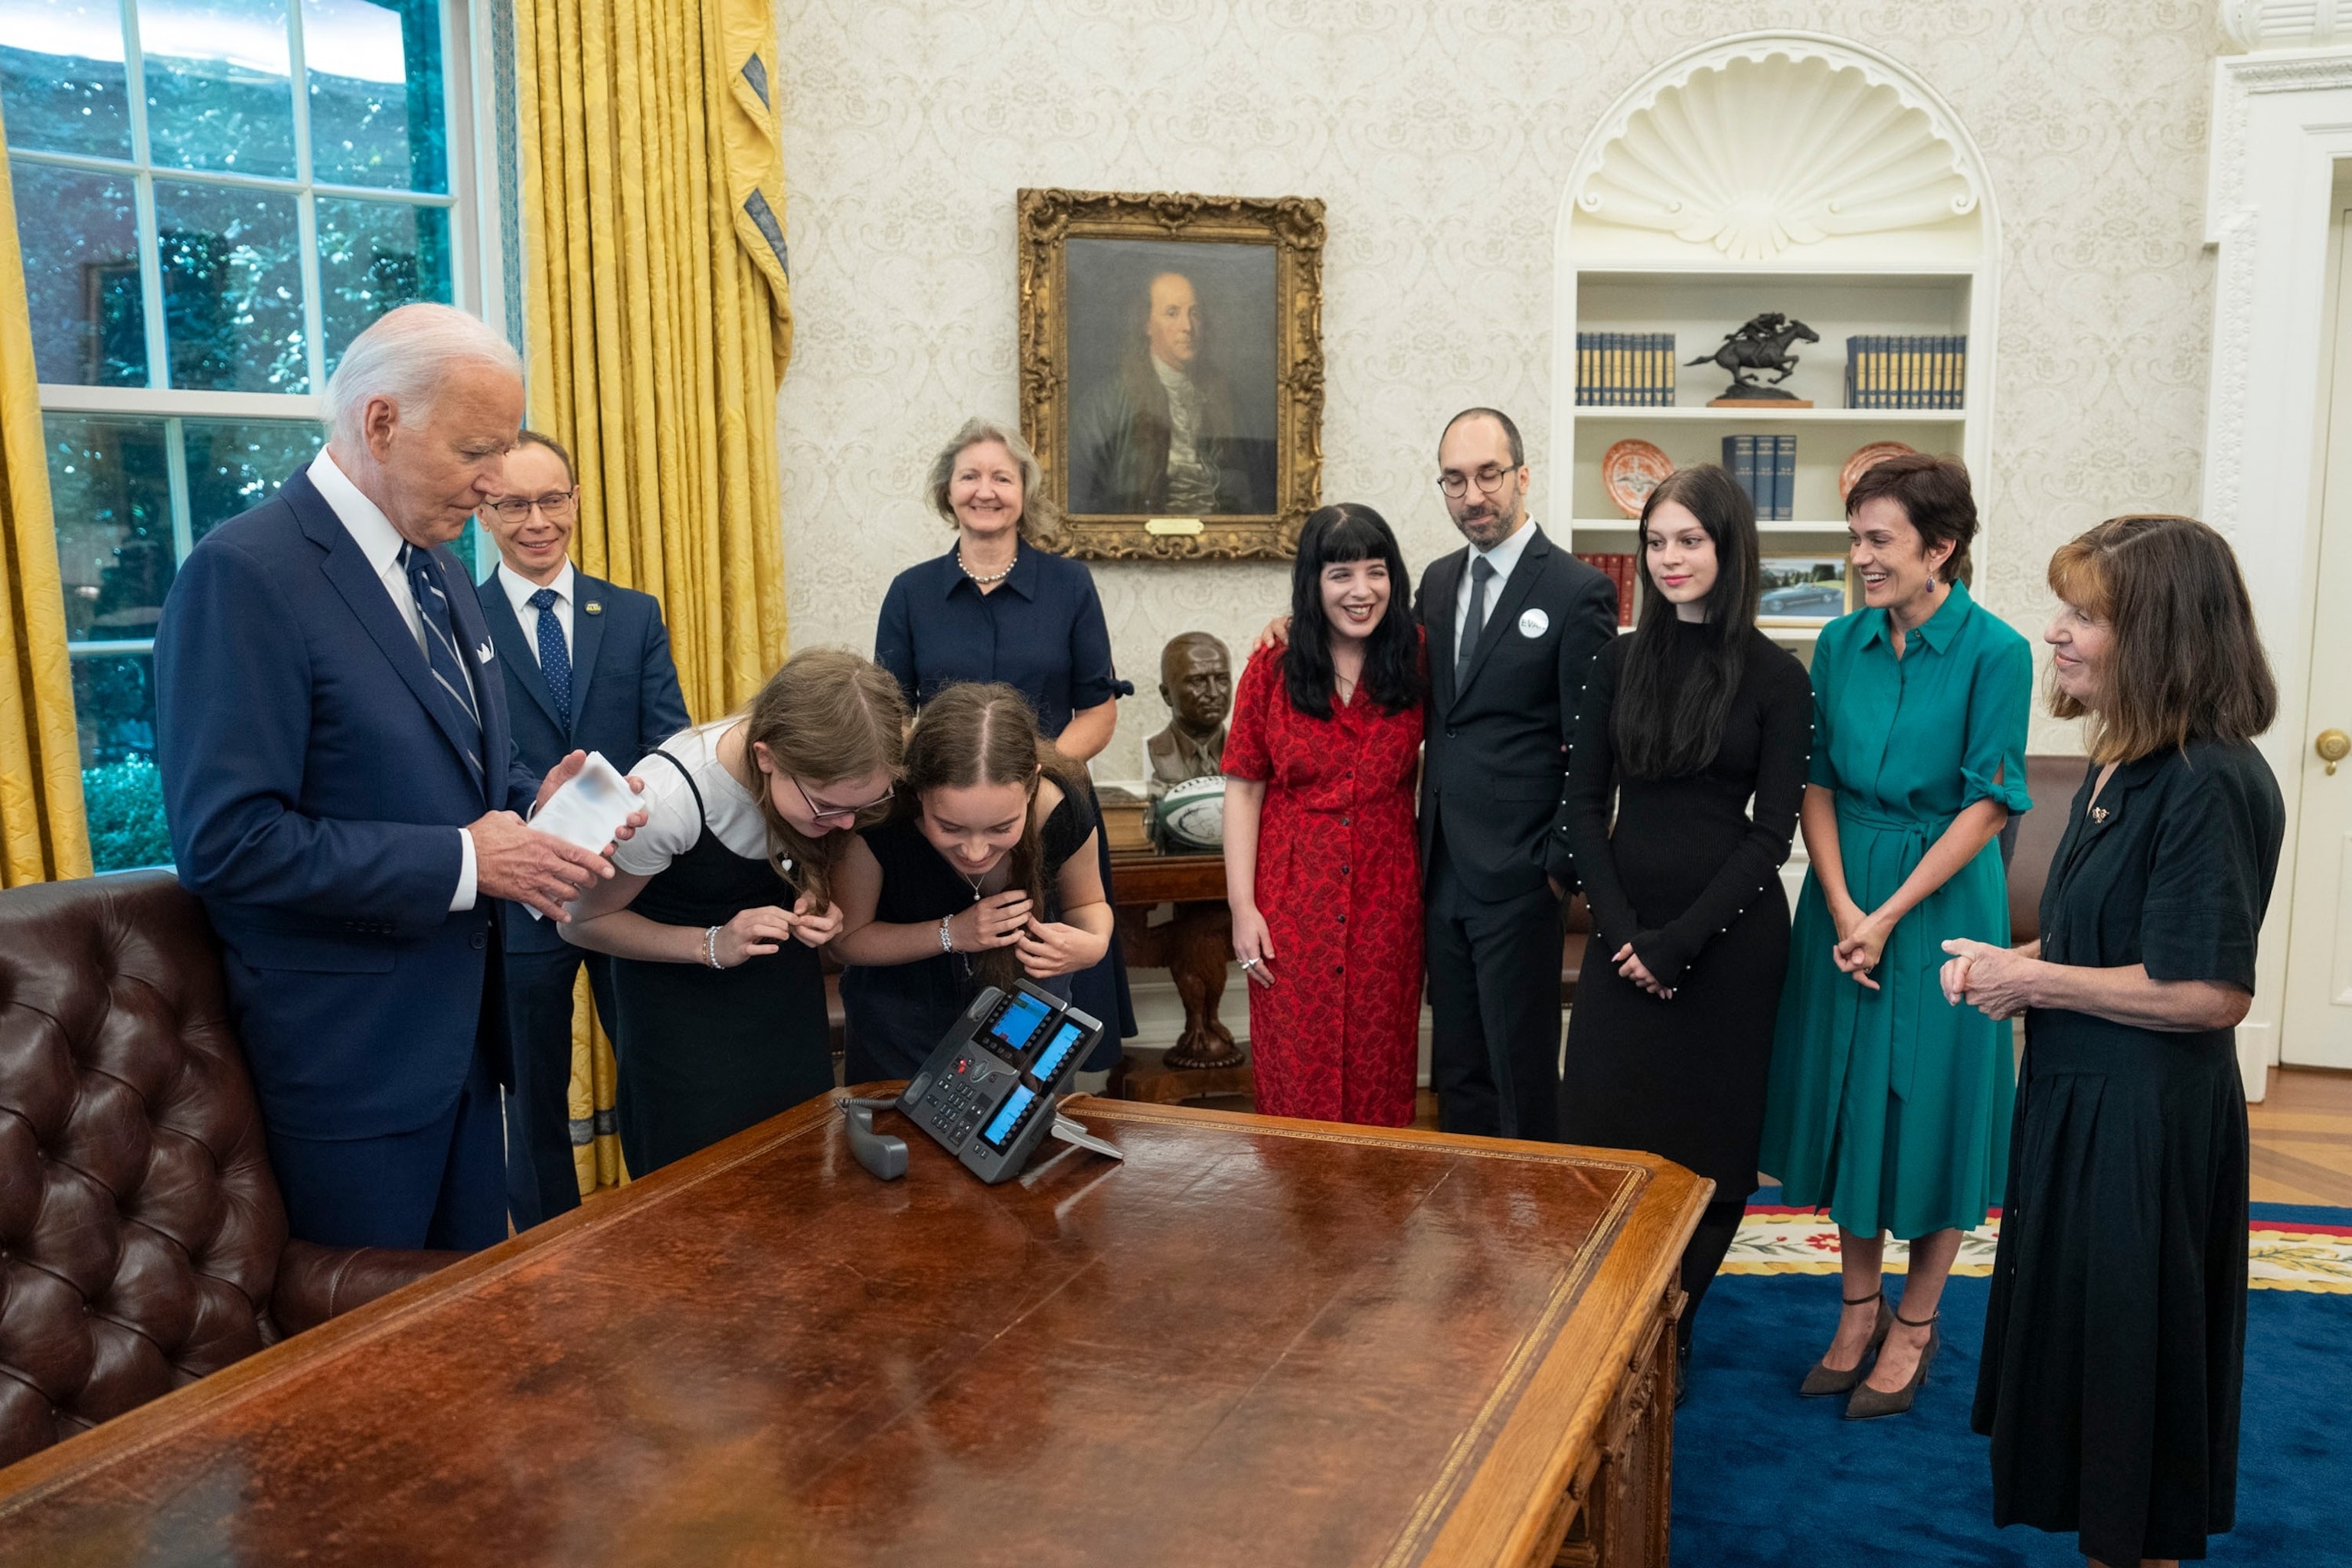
(986, 874)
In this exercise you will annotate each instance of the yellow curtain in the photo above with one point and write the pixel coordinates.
(658, 322)
(42, 832)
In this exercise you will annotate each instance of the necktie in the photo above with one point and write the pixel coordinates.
(554, 659)
(441, 652)
(1482, 583)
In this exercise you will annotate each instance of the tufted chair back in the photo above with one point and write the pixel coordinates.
(141, 1235)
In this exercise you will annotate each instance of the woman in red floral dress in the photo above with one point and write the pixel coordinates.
(1322, 864)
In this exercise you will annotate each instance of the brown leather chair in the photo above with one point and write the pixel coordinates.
(143, 1241)
(2052, 782)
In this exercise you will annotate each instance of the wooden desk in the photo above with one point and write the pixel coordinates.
(1253, 1342)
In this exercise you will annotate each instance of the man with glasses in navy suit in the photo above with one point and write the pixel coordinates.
(588, 668)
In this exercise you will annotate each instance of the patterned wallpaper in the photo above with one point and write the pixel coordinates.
(1440, 137)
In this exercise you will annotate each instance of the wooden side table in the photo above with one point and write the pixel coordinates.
(1194, 947)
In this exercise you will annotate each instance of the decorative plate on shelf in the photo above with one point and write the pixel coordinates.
(1864, 459)
(1630, 471)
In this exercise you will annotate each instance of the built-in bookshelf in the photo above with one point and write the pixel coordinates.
(1680, 222)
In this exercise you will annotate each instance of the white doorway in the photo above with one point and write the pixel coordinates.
(2316, 1012)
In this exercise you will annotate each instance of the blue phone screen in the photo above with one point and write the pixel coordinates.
(1057, 1051)
(1008, 1117)
(1017, 1025)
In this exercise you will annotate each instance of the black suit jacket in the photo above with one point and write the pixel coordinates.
(1494, 771)
(624, 694)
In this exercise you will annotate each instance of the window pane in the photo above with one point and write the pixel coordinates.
(234, 465)
(112, 491)
(375, 92)
(232, 289)
(114, 701)
(220, 93)
(79, 235)
(373, 255)
(61, 77)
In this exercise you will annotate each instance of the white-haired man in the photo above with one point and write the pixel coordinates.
(343, 795)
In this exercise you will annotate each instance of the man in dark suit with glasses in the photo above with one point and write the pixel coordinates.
(1512, 622)
(588, 668)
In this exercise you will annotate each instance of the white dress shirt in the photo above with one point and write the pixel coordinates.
(519, 589)
(380, 543)
(1503, 557)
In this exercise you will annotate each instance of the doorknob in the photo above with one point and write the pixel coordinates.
(2333, 746)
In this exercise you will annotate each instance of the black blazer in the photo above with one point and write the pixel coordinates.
(624, 694)
(1495, 769)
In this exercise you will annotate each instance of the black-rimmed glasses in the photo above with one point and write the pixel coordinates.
(1490, 480)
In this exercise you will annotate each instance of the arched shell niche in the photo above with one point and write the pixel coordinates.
(1778, 150)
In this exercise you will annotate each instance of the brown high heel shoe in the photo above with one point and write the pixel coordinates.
(1822, 1381)
(1868, 1403)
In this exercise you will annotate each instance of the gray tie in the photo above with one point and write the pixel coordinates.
(1482, 583)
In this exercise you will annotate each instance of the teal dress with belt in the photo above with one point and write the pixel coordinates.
(1891, 1108)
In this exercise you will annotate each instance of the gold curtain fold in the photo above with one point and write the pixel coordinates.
(657, 324)
(43, 835)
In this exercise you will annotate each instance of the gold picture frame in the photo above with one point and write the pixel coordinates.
(1105, 376)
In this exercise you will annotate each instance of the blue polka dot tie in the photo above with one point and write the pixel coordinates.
(554, 659)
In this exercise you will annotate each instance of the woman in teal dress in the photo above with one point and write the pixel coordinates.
(1885, 1106)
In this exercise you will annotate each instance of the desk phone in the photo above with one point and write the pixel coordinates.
(987, 1092)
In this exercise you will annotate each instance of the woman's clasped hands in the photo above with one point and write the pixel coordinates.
(1992, 979)
(759, 931)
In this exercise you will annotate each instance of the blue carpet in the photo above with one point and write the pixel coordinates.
(1764, 1478)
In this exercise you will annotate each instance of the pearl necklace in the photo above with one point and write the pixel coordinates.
(992, 578)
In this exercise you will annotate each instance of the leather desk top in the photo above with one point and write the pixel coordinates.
(1256, 1341)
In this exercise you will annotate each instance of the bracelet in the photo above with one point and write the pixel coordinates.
(947, 942)
(710, 948)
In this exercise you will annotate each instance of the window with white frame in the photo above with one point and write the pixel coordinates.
(213, 197)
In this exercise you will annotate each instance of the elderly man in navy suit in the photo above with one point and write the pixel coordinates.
(344, 796)
(587, 668)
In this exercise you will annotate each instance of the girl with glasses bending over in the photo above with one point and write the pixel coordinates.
(1679, 725)
(985, 875)
(727, 893)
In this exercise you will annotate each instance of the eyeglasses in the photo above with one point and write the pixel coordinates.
(555, 506)
(1490, 480)
(848, 812)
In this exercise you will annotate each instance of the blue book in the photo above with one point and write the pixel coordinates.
(1739, 457)
(1784, 478)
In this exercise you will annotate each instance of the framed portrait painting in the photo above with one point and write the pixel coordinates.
(1171, 369)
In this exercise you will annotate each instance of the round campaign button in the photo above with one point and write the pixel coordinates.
(1534, 623)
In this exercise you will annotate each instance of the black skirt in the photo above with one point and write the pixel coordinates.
(2116, 1337)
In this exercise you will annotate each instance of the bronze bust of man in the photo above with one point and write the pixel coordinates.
(1196, 681)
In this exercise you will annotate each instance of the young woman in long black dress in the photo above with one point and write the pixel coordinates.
(1683, 723)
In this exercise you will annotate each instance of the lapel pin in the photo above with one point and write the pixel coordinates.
(2098, 814)
(593, 607)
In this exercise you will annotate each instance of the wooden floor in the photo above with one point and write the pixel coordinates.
(2303, 1138)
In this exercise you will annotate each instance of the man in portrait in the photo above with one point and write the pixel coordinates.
(1196, 681)
(1159, 436)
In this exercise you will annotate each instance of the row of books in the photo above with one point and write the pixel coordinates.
(1625, 370)
(1766, 467)
(1617, 569)
(1905, 372)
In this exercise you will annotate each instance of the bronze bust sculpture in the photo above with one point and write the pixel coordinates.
(1196, 681)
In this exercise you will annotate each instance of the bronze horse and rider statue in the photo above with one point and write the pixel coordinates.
(1761, 344)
